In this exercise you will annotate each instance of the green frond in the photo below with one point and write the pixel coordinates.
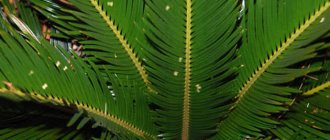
(25, 13)
(114, 38)
(317, 82)
(192, 56)
(273, 44)
(53, 11)
(35, 71)
(308, 118)
(164, 69)
(304, 117)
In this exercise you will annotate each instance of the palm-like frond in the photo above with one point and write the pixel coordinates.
(192, 57)
(116, 44)
(26, 14)
(268, 58)
(42, 73)
(191, 69)
(308, 118)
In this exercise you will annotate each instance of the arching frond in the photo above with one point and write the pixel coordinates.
(114, 38)
(274, 43)
(193, 55)
(164, 69)
(35, 71)
(307, 117)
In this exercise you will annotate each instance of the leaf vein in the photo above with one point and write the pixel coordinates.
(137, 63)
(278, 52)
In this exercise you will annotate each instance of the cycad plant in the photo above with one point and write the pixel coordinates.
(165, 69)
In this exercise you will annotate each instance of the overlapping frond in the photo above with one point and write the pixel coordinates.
(112, 33)
(191, 60)
(221, 69)
(36, 71)
(308, 118)
(274, 43)
(25, 13)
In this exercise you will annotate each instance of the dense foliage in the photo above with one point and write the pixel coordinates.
(164, 69)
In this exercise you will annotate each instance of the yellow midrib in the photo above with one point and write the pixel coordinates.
(123, 42)
(317, 89)
(186, 97)
(90, 110)
(279, 51)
